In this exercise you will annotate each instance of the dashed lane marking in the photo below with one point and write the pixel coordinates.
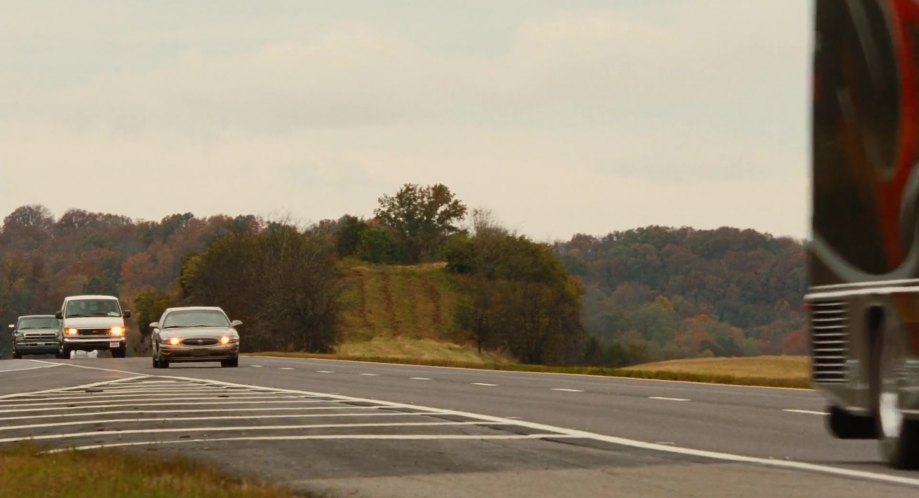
(665, 398)
(286, 368)
(255, 366)
(324, 372)
(370, 375)
(568, 390)
(484, 384)
(806, 412)
(420, 378)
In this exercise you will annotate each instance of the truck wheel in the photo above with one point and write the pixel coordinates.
(120, 352)
(897, 434)
(845, 425)
(63, 353)
(17, 356)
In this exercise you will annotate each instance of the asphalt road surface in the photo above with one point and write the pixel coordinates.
(336, 428)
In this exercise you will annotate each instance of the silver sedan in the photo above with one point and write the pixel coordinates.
(198, 333)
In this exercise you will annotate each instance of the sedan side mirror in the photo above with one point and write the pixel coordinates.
(235, 323)
(126, 314)
(59, 315)
(154, 325)
(12, 326)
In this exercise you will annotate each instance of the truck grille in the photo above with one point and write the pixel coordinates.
(40, 336)
(828, 341)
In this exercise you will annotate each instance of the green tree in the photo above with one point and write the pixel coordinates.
(423, 218)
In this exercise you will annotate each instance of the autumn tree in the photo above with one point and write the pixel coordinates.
(422, 218)
(282, 283)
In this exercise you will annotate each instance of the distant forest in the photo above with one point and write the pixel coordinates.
(628, 297)
(659, 293)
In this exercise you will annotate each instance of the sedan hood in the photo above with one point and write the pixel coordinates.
(215, 332)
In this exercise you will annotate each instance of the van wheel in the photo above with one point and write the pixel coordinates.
(63, 353)
(120, 352)
(897, 434)
(16, 355)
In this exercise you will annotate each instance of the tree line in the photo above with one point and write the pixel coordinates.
(661, 293)
(627, 297)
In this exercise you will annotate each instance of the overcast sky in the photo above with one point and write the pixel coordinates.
(562, 117)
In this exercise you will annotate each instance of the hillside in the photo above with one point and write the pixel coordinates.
(402, 311)
(659, 293)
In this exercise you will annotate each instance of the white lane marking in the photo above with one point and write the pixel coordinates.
(206, 410)
(26, 369)
(324, 372)
(46, 437)
(484, 384)
(371, 437)
(256, 366)
(286, 368)
(95, 400)
(573, 433)
(806, 412)
(123, 405)
(222, 417)
(567, 390)
(84, 386)
(665, 398)
(420, 378)
(94, 397)
(370, 375)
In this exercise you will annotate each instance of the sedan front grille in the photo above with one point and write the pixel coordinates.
(828, 341)
(201, 341)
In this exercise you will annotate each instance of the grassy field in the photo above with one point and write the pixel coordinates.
(25, 472)
(765, 367)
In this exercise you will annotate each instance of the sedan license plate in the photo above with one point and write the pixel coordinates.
(114, 344)
(200, 352)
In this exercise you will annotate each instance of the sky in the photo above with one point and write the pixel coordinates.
(560, 117)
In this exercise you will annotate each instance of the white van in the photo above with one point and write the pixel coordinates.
(92, 323)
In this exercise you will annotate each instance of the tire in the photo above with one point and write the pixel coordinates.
(231, 363)
(64, 353)
(16, 355)
(158, 361)
(898, 436)
(120, 352)
(845, 425)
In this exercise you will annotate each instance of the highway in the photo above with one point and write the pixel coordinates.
(366, 429)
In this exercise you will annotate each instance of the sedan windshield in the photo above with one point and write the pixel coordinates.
(92, 307)
(196, 318)
(37, 322)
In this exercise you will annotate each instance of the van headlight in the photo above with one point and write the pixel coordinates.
(72, 331)
(117, 331)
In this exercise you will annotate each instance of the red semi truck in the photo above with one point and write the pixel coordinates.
(863, 258)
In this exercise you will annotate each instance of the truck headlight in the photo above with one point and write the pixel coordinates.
(116, 330)
(72, 331)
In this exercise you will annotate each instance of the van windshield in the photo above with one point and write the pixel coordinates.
(92, 307)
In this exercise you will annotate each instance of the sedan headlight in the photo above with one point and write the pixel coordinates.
(116, 330)
(174, 341)
(228, 339)
(72, 331)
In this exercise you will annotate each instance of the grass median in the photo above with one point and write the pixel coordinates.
(26, 472)
(766, 371)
